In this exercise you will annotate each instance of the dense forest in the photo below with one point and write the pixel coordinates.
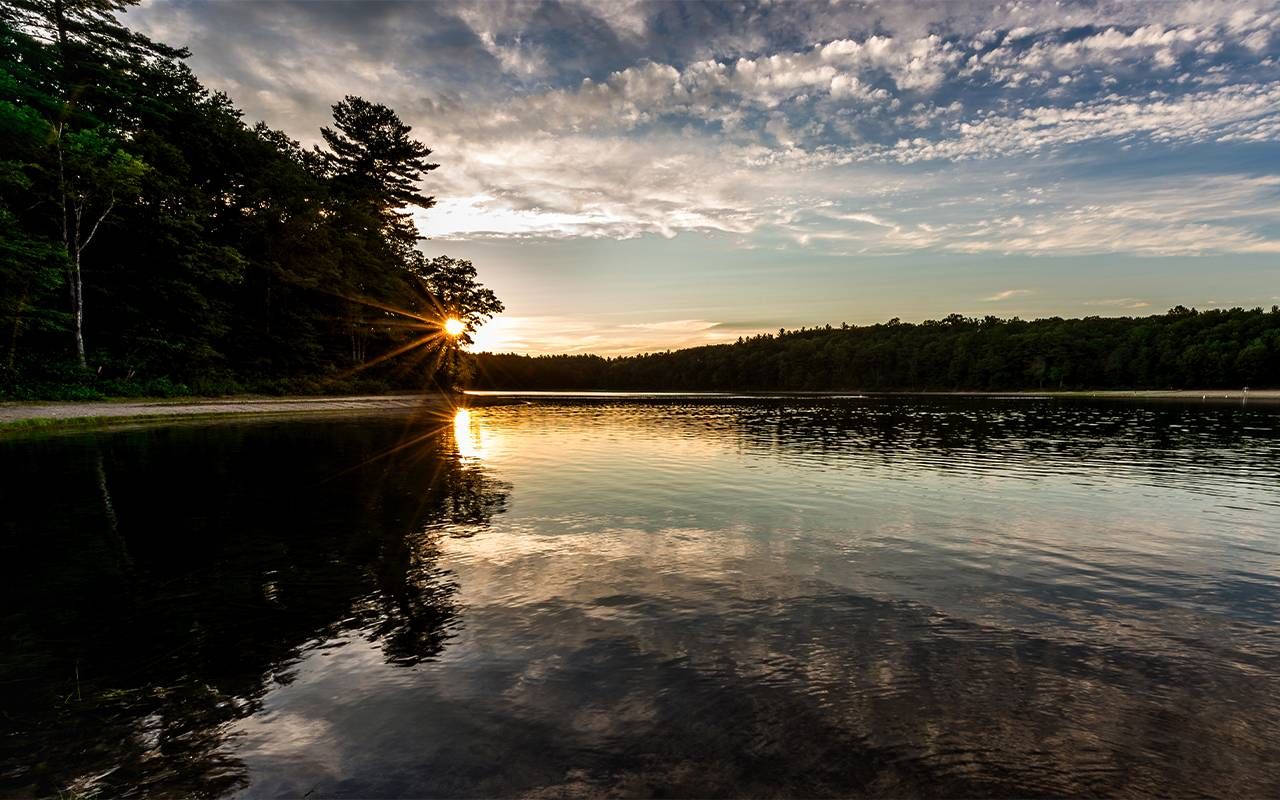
(152, 242)
(1184, 348)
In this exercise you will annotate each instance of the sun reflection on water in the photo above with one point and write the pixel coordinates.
(468, 434)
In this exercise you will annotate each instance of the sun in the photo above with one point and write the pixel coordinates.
(454, 327)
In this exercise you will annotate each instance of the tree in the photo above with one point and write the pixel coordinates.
(373, 166)
(31, 259)
(94, 173)
(96, 60)
(452, 292)
(1202, 350)
(31, 264)
(97, 57)
(211, 255)
(374, 161)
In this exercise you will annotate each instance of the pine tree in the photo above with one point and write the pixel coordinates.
(375, 162)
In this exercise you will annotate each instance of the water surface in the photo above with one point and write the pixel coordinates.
(662, 596)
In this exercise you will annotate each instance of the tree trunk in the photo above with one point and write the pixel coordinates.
(70, 240)
(64, 63)
(77, 307)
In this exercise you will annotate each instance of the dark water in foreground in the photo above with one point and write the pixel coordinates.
(767, 598)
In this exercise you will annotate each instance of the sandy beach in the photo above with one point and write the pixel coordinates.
(20, 415)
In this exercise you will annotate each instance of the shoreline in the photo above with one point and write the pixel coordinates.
(1217, 395)
(1250, 395)
(24, 415)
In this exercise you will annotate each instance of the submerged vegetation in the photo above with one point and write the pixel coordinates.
(1183, 349)
(152, 242)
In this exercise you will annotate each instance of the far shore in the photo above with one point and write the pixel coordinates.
(1265, 395)
(1244, 395)
(19, 415)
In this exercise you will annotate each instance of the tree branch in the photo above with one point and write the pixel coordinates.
(105, 212)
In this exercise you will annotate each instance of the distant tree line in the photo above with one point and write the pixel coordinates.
(151, 241)
(1184, 348)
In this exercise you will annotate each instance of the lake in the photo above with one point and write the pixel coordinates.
(673, 596)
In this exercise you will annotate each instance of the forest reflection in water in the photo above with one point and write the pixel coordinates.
(160, 581)
(674, 597)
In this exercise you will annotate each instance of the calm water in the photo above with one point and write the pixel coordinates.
(635, 598)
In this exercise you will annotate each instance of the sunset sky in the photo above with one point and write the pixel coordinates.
(639, 176)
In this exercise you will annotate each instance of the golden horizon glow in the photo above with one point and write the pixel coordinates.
(454, 327)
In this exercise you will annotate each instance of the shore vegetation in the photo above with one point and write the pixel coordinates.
(1182, 349)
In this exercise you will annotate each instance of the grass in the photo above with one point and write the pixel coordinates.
(41, 423)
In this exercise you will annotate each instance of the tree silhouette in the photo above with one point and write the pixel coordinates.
(153, 237)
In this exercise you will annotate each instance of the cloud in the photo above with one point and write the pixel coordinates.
(675, 325)
(560, 334)
(1166, 216)
(847, 130)
(974, 208)
(1119, 302)
(1006, 294)
(1225, 114)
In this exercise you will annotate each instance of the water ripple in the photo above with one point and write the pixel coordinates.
(653, 596)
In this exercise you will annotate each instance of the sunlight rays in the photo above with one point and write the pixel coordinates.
(440, 334)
